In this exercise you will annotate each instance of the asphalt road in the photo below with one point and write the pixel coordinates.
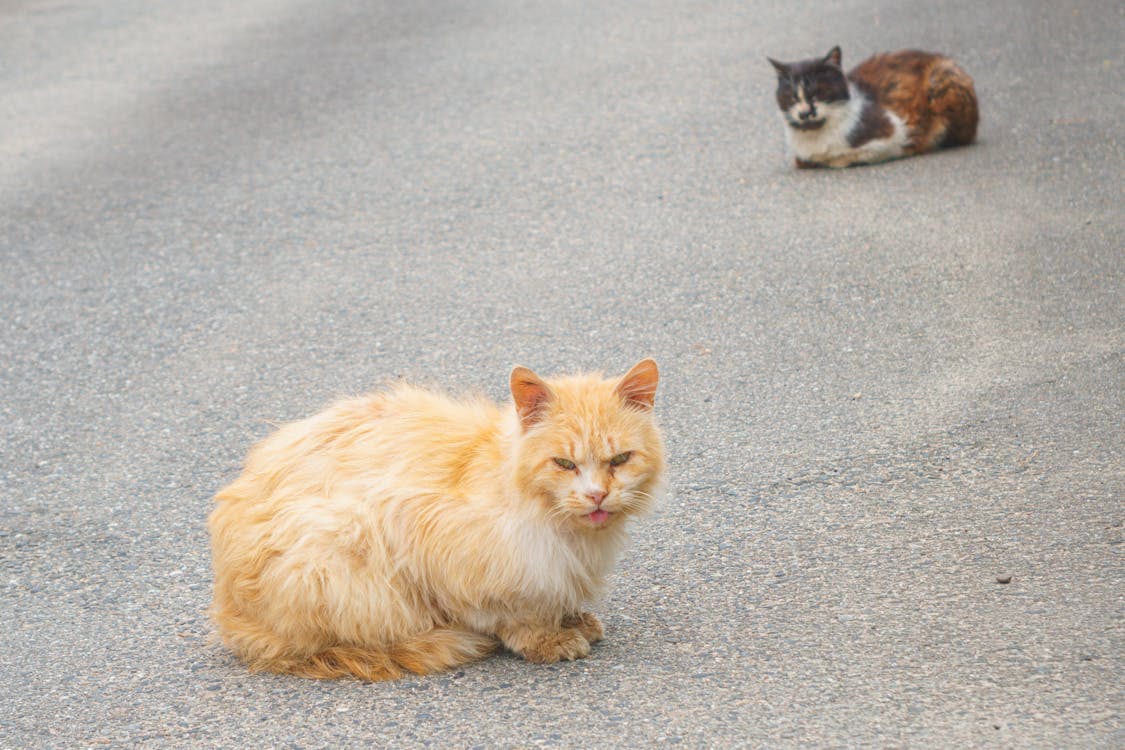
(883, 389)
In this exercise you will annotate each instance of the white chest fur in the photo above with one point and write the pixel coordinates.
(552, 567)
(828, 145)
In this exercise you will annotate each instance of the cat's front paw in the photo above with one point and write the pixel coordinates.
(587, 624)
(551, 647)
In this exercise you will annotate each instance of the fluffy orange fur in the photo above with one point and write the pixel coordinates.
(408, 531)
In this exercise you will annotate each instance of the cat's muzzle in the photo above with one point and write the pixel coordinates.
(807, 124)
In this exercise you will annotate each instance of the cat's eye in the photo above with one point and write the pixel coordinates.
(620, 458)
(565, 464)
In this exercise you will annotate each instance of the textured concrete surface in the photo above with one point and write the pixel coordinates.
(883, 388)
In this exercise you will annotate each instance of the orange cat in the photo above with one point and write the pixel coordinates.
(408, 531)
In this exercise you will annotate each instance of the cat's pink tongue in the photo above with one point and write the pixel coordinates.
(598, 515)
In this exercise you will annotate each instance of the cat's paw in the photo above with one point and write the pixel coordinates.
(551, 647)
(587, 624)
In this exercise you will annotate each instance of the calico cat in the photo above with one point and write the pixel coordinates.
(408, 531)
(890, 105)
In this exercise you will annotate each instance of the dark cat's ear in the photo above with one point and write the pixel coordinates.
(835, 57)
(530, 395)
(638, 386)
(781, 68)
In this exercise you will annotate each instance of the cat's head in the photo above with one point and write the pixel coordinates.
(589, 450)
(809, 92)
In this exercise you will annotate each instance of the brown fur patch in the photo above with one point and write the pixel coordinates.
(954, 99)
(929, 92)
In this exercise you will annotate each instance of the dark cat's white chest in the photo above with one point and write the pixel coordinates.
(831, 144)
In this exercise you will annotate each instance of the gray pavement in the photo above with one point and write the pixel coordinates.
(883, 388)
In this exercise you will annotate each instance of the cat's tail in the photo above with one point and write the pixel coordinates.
(434, 651)
(954, 101)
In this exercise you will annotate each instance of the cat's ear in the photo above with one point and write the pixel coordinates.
(638, 386)
(530, 395)
(835, 57)
(781, 68)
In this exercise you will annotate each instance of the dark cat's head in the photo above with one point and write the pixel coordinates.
(808, 91)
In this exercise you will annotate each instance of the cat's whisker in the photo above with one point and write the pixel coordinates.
(559, 513)
(641, 495)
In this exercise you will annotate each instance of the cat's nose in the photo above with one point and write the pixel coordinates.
(596, 496)
(807, 114)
